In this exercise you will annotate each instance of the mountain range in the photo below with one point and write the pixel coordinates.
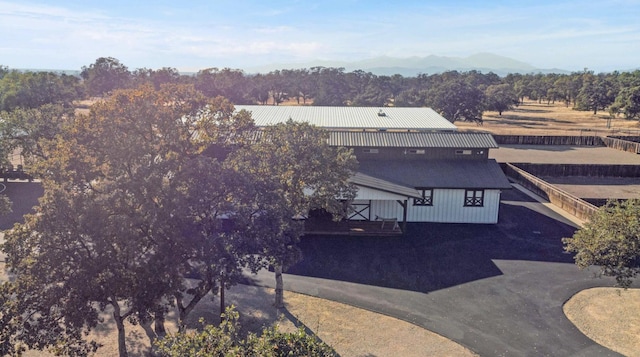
(407, 67)
(412, 66)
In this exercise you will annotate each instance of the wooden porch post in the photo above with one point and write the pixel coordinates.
(404, 205)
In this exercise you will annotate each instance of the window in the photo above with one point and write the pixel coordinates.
(427, 198)
(416, 151)
(463, 152)
(474, 198)
(370, 151)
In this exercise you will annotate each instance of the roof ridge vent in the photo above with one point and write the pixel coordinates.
(381, 113)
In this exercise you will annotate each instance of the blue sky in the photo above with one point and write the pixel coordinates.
(191, 35)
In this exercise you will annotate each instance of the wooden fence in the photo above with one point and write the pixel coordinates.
(562, 170)
(548, 140)
(623, 144)
(558, 197)
(626, 137)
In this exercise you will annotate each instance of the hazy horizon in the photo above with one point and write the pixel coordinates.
(68, 34)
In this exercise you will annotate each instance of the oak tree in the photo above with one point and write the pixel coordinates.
(500, 97)
(150, 189)
(104, 234)
(292, 170)
(105, 75)
(456, 99)
(610, 240)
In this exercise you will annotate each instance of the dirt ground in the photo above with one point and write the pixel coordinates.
(609, 317)
(348, 330)
(533, 118)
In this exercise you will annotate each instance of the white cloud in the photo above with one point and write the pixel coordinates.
(39, 33)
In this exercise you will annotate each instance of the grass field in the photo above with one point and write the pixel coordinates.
(533, 118)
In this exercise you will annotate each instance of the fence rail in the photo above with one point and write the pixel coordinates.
(618, 142)
(623, 144)
(566, 201)
(590, 170)
(549, 140)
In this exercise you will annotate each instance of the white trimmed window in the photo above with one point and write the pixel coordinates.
(474, 198)
(426, 199)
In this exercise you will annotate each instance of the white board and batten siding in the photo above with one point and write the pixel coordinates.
(448, 207)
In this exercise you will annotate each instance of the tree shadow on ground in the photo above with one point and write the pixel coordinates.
(527, 110)
(514, 119)
(433, 256)
(254, 305)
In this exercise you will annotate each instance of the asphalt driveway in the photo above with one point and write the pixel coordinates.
(496, 289)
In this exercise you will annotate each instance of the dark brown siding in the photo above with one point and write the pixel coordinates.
(416, 154)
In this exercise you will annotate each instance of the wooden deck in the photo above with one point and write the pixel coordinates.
(352, 228)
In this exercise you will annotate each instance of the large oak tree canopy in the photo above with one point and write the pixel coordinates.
(152, 187)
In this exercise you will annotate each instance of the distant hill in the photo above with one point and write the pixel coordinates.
(412, 66)
(69, 72)
(407, 67)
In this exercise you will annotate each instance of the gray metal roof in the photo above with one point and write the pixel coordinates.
(411, 139)
(423, 119)
(361, 179)
(438, 173)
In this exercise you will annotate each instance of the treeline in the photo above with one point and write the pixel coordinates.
(455, 95)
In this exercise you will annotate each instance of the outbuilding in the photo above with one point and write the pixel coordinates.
(414, 164)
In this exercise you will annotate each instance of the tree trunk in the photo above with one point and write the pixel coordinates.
(185, 310)
(279, 286)
(222, 307)
(122, 342)
(151, 335)
(159, 324)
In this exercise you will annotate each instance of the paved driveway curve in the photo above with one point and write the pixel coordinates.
(506, 299)
(515, 312)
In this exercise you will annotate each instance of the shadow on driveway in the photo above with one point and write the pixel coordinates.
(434, 256)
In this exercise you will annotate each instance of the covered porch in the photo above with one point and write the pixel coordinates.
(359, 221)
(314, 226)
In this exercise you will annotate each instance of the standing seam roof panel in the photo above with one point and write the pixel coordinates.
(351, 117)
(411, 139)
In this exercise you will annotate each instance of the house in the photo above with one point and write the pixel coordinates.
(414, 164)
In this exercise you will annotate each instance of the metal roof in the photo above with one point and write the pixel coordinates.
(421, 119)
(438, 173)
(411, 139)
(361, 179)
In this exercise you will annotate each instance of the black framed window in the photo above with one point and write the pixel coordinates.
(426, 199)
(474, 198)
